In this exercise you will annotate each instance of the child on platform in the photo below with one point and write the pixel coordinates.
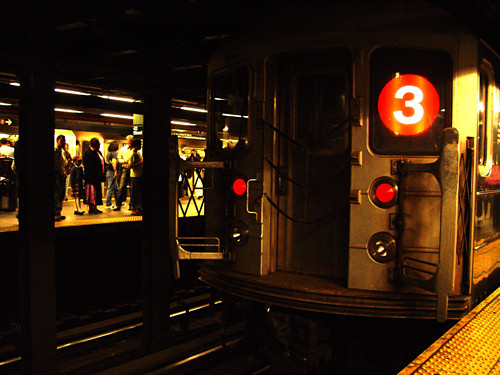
(76, 181)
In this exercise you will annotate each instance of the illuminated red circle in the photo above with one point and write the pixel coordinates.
(408, 104)
(385, 192)
(239, 186)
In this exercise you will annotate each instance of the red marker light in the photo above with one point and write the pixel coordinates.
(385, 192)
(239, 186)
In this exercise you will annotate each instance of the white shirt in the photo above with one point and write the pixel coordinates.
(124, 155)
(6, 151)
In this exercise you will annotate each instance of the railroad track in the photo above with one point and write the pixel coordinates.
(225, 359)
(99, 345)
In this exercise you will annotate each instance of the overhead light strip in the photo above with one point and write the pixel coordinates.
(67, 110)
(72, 92)
(118, 98)
(233, 115)
(193, 109)
(182, 123)
(117, 116)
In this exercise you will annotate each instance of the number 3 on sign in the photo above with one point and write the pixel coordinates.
(408, 105)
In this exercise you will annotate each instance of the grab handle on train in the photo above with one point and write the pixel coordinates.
(448, 176)
(249, 181)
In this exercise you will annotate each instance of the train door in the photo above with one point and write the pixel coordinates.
(314, 157)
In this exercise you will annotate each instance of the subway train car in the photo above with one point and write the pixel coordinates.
(352, 163)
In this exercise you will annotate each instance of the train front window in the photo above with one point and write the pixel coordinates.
(410, 100)
(321, 121)
(229, 104)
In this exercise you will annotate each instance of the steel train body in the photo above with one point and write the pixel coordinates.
(353, 163)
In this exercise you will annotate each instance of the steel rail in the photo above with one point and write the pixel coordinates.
(123, 322)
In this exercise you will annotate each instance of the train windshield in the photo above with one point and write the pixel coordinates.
(410, 101)
(229, 117)
(321, 112)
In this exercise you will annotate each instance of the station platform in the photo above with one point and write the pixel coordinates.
(472, 346)
(9, 221)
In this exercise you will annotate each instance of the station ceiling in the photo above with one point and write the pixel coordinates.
(108, 44)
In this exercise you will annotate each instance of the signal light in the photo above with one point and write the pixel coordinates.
(383, 192)
(239, 186)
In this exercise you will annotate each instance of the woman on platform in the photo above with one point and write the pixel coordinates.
(95, 174)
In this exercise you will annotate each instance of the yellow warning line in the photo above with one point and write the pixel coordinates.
(77, 223)
(472, 346)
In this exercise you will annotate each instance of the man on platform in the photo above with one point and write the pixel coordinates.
(123, 158)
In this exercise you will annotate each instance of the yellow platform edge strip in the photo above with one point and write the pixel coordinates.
(441, 342)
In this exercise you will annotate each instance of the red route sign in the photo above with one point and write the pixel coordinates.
(408, 104)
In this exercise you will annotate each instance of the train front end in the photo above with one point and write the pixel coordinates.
(343, 163)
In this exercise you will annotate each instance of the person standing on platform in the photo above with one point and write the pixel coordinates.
(76, 181)
(136, 178)
(124, 155)
(60, 172)
(69, 158)
(94, 172)
(111, 174)
(6, 150)
(77, 147)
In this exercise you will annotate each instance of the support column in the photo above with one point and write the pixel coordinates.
(157, 264)
(35, 167)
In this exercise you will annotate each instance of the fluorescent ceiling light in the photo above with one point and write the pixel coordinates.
(117, 116)
(193, 109)
(182, 123)
(15, 84)
(67, 110)
(119, 98)
(72, 92)
(6, 104)
(231, 115)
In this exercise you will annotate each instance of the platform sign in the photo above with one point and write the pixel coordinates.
(408, 105)
(137, 131)
(4, 121)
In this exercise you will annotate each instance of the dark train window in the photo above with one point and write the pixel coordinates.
(321, 112)
(229, 104)
(487, 131)
(482, 123)
(410, 100)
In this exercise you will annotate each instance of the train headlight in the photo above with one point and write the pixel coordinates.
(383, 192)
(239, 234)
(382, 247)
